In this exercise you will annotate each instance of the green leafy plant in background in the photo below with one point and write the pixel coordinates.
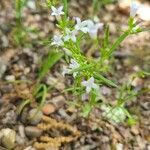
(19, 32)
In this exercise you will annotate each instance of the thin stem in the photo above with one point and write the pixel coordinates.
(65, 8)
(116, 44)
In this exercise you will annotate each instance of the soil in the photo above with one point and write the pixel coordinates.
(22, 62)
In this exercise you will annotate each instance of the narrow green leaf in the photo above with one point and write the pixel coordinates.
(49, 62)
(105, 80)
(22, 105)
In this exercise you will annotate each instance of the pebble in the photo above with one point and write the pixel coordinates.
(33, 132)
(137, 82)
(29, 148)
(10, 78)
(5, 41)
(145, 105)
(105, 90)
(119, 146)
(2, 148)
(21, 131)
(48, 109)
(58, 101)
(135, 130)
(10, 117)
(105, 147)
(36, 118)
(20, 140)
(8, 138)
(3, 67)
(57, 83)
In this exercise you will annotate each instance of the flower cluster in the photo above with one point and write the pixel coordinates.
(70, 35)
(89, 73)
(87, 26)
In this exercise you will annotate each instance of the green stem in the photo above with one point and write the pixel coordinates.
(65, 8)
(116, 44)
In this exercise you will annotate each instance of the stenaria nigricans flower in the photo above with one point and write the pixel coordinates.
(93, 28)
(73, 65)
(57, 40)
(57, 11)
(133, 9)
(70, 35)
(81, 25)
(89, 84)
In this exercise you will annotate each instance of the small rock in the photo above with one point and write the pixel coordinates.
(21, 131)
(87, 147)
(5, 41)
(2, 148)
(31, 4)
(105, 147)
(148, 147)
(57, 83)
(10, 78)
(35, 116)
(105, 139)
(29, 148)
(3, 67)
(141, 142)
(26, 70)
(58, 101)
(135, 130)
(10, 117)
(8, 138)
(20, 140)
(63, 114)
(105, 90)
(145, 105)
(48, 109)
(33, 132)
(137, 82)
(119, 146)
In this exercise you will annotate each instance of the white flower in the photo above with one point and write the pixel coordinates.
(70, 35)
(88, 26)
(89, 84)
(57, 40)
(57, 11)
(133, 9)
(73, 65)
(93, 28)
(81, 25)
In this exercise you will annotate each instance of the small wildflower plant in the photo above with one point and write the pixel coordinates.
(89, 74)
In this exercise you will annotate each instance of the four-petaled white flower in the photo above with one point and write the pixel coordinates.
(74, 65)
(93, 28)
(81, 25)
(57, 11)
(133, 9)
(57, 40)
(89, 84)
(70, 35)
